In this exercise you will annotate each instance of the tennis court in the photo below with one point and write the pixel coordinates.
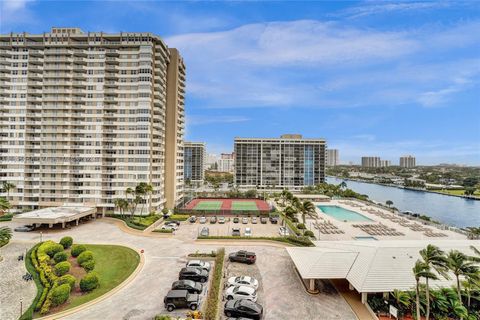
(226, 206)
(208, 205)
(244, 205)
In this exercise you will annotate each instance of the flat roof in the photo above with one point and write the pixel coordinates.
(54, 214)
(371, 266)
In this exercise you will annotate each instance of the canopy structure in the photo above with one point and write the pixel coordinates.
(55, 215)
(371, 266)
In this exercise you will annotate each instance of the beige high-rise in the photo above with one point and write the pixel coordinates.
(83, 116)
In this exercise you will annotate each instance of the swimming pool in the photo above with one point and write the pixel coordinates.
(342, 214)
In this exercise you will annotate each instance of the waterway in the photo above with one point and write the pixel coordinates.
(454, 211)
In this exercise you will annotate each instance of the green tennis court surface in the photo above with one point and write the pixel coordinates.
(209, 205)
(244, 205)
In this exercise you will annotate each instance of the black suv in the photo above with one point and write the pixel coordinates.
(194, 274)
(189, 285)
(243, 308)
(177, 299)
(274, 219)
(242, 256)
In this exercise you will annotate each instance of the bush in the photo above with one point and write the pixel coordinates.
(66, 242)
(308, 233)
(89, 282)
(60, 256)
(301, 226)
(88, 265)
(178, 217)
(84, 257)
(294, 219)
(50, 248)
(60, 294)
(67, 279)
(163, 231)
(212, 299)
(62, 268)
(77, 249)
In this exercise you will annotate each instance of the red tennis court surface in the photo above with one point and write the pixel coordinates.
(227, 203)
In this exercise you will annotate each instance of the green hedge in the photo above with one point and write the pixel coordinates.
(66, 242)
(136, 222)
(60, 294)
(291, 225)
(77, 249)
(62, 268)
(60, 256)
(296, 241)
(67, 279)
(211, 308)
(29, 264)
(178, 217)
(50, 248)
(163, 231)
(6, 217)
(89, 282)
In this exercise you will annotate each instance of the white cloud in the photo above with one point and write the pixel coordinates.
(14, 12)
(195, 120)
(381, 8)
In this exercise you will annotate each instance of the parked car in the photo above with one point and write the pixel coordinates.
(248, 232)
(236, 232)
(178, 299)
(213, 219)
(283, 231)
(263, 220)
(254, 220)
(243, 281)
(26, 228)
(199, 264)
(174, 221)
(235, 220)
(274, 219)
(169, 226)
(194, 274)
(221, 220)
(204, 232)
(243, 308)
(189, 285)
(192, 219)
(202, 220)
(243, 257)
(241, 292)
(244, 220)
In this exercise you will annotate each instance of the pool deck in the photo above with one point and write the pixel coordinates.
(350, 231)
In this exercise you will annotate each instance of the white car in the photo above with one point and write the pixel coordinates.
(243, 281)
(199, 264)
(241, 292)
(248, 232)
(283, 231)
(202, 220)
(254, 220)
(170, 226)
(244, 220)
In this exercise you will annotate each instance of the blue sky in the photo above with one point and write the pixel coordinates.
(373, 78)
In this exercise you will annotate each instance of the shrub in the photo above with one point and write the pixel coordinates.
(294, 219)
(212, 298)
(60, 294)
(60, 256)
(89, 282)
(84, 257)
(178, 217)
(77, 249)
(49, 248)
(301, 226)
(308, 233)
(67, 279)
(62, 268)
(88, 265)
(66, 242)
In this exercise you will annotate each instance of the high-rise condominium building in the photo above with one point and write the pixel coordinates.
(332, 157)
(226, 163)
(371, 162)
(83, 116)
(287, 162)
(407, 162)
(194, 161)
(385, 163)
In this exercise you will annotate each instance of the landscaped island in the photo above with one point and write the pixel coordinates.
(68, 275)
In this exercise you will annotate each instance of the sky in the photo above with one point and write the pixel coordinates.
(371, 77)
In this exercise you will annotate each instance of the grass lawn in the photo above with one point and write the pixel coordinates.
(137, 222)
(459, 192)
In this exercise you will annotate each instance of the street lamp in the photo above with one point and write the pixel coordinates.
(21, 306)
(41, 236)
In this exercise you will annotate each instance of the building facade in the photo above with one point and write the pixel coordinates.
(194, 161)
(332, 157)
(407, 161)
(84, 116)
(287, 162)
(371, 162)
(226, 163)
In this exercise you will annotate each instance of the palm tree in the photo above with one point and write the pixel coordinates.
(343, 185)
(434, 258)
(149, 190)
(460, 265)
(420, 270)
(306, 208)
(121, 204)
(6, 187)
(402, 299)
(5, 235)
(4, 204)
(389, 203)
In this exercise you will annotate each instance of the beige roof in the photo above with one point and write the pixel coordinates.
(370, 266)
(54, 214)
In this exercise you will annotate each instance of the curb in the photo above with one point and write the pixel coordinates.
(102, 297)
(240, 242)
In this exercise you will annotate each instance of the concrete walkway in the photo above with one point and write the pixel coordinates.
(353, 299)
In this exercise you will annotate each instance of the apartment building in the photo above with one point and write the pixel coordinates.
(407, 161)
(371, 162)
(194, 161)
(290, 161)
(83, 116)
(226, 163)
(332, 157)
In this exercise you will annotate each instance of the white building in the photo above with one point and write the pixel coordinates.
(407, 161)
(226, 163)
(332, 157)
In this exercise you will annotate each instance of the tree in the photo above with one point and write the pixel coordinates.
(389, 203)
(4, 204)
(420, 270)
(460, 265)
(402, 299)
(343, 185)
(121, 204)
(149, 190)
(306, 208)
(434, 258)
(469, 191)
(5, 235)
(7, 187)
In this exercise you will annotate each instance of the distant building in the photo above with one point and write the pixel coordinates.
(290, 161)
(385, 163)
(226, 163)
(407, 162)
(194, 161)
(371, 162)
(332, 157)
(211, 161)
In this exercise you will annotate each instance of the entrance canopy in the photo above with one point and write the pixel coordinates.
(54, 215)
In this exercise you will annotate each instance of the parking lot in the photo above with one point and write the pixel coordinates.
(188, 230)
